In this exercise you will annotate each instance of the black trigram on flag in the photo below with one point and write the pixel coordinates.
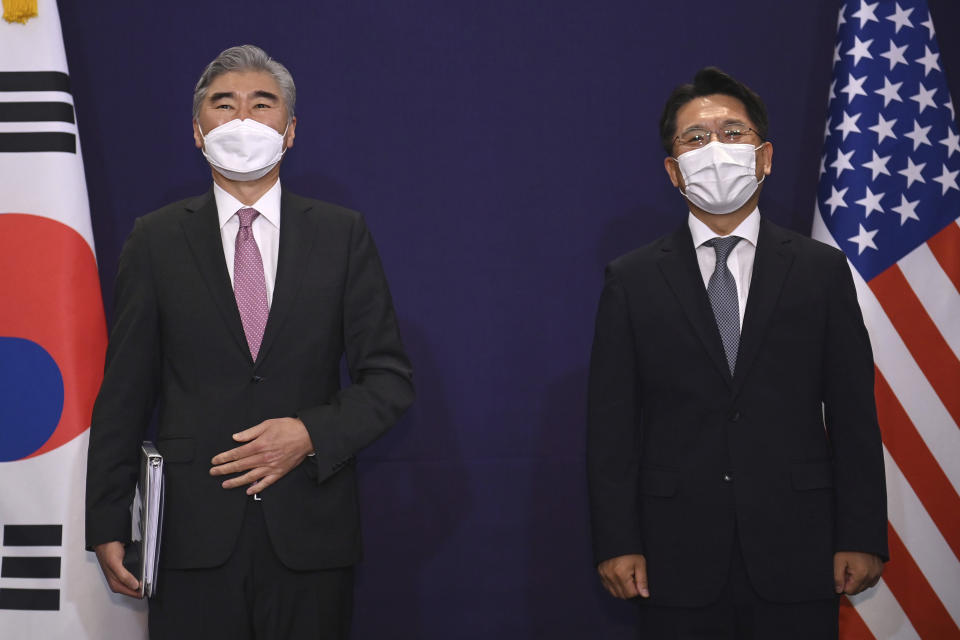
(17, 539)
(33, 114)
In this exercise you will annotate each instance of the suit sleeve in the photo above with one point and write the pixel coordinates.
(613, 455)
(851, 420)
(126, 399)
(381, 374)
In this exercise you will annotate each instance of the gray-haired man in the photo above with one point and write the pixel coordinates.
(232, 312)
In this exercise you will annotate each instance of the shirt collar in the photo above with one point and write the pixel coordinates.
(749, 229)
(268, 205)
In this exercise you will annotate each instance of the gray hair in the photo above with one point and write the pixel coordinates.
(246, 57)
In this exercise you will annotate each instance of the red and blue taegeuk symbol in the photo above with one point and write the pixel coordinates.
(52, 335)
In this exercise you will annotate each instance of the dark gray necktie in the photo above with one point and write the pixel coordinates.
(722, 291)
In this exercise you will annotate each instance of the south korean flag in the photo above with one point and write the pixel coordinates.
(52, 345)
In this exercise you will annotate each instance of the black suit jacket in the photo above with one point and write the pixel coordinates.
(786, 453)
(178, 344)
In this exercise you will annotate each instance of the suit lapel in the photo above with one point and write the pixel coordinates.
(202, 229)
(678, 263)
(770, 267)
(297, 233)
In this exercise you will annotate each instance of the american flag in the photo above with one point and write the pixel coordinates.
(889, 198)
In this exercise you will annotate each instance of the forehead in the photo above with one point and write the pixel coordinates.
(244, 83)
(711, 111)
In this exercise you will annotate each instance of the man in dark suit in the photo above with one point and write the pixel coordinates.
(233, 310)
(734, 458)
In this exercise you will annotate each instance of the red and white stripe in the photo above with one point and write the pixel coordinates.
(912, 312)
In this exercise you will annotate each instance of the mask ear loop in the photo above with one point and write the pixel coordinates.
(681, 175)
(283, 141)
(757, 148)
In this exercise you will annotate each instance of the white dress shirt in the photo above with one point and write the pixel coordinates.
(266, 230)
(740, 260)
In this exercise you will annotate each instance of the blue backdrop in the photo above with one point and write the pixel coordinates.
(502, 152)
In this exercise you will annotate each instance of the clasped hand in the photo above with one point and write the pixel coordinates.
(272, 449)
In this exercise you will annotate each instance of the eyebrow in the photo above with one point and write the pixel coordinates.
(726, 123)
(221, 95)
(260, 93)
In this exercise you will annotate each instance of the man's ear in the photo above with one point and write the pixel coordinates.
(291, 133)
(766, 157)
(673, 170)
(197, 138)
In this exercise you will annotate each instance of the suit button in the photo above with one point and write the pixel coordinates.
(727, 477)
(734, 416)
(257, 379)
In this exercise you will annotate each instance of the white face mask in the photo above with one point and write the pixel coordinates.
(719, 177)
(243, 150)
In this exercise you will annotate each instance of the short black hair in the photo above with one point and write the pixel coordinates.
(709, 81)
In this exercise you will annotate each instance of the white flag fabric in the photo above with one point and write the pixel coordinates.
(889, 198)
(52, 345)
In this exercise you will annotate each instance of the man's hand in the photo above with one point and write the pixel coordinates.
(273, 448)
(625, 576)
(110, 556)
(854, 571)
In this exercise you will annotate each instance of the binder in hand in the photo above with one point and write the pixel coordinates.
(142, 555)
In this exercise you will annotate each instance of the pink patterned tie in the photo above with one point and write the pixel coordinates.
(249, 284)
